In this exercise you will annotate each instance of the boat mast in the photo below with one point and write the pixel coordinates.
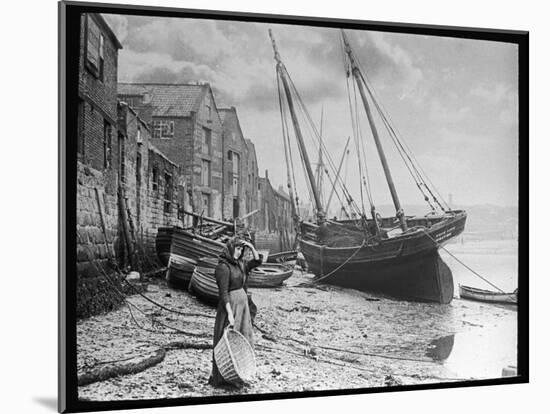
(320, 166)
(356, 72)
(337, 175)
(281, 72)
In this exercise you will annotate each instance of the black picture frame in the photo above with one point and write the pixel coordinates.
(69, 22)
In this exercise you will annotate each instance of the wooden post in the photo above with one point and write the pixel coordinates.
(124, 219)
(102, 220)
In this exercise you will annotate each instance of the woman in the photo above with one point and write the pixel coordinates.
(231, 274)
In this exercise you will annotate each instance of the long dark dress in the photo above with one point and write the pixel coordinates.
(231, 278)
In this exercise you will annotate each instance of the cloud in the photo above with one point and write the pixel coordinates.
(444, 113)
(119, 25)
(389, 63)
(502, 99)
(425, 83)
(494, 95)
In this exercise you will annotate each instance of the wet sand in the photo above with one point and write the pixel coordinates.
(309, 338)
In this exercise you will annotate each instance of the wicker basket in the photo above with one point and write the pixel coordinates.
(235, 357)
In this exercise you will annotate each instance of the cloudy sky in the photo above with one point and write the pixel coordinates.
(454, 101)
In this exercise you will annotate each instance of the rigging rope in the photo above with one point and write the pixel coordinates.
(399, 138)
(337, 268)
(311, 125)
(288, 155)
(461, 262)
(419, 174)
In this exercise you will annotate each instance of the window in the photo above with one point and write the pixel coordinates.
(121, 158)
(167, 192)
(206, 141)
(229, 155)
(138, 170)
(107, 144)
(235, 186)
(209, 112)
(80, 138)
(138, 135)
(94, 48)
(155, 179)
(205, 173)
(163, 129)
(101, 55)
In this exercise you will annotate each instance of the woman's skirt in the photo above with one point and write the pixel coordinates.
(243, 323)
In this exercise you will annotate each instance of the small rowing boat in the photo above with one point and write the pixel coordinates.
(467, 292)
(203, 280)
(287, 258)
(163, 242)
(203, 285)
(180, 270)
(269, 275)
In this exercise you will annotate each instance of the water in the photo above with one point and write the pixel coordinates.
(496, 261)
(477, 354)
(481, 352)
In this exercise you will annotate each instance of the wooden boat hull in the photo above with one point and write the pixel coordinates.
(163, 243)
(203, 281)
(179, 271)
(269, 275)
(407, 266)
(467, 292)
(193, 246)
(203, 285)
(287, 258)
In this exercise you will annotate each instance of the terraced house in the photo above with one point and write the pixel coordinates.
(234, 164)
(126, 188)
(187, 127)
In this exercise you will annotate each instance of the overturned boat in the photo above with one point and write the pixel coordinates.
(393, 255)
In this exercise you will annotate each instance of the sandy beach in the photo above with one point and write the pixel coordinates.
(316, 337)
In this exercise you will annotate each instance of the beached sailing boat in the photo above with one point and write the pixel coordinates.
(393, 255)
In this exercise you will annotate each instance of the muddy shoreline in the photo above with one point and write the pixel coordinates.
(307, 338)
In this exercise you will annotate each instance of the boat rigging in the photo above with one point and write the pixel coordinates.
(363, 253)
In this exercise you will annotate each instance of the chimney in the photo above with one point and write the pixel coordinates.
(266, 174)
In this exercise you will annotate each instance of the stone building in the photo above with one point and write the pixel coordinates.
(274, 220)
(235, 165)
(120, 201)
(186, 126)
(150, 180)
(252, 184)
(97, 85)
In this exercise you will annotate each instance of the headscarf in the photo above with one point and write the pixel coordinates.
(229, 250)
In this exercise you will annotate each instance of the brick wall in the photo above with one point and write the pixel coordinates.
(234, 142)
(101, 245)
(98, 94)
(209, 120)
(275, 229)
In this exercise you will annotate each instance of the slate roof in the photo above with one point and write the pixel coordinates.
(168, 99)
